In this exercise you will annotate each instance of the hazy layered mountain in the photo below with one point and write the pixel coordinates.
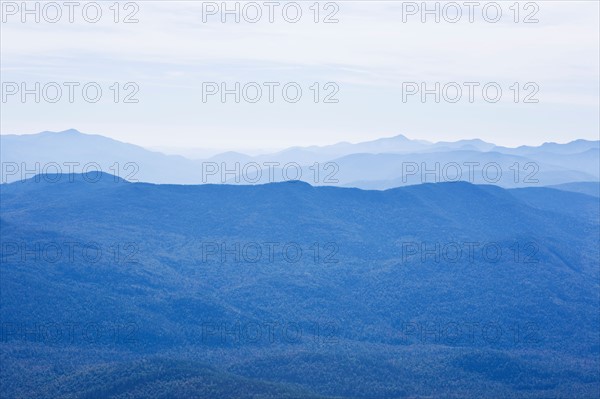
(573, 147)
(311, 154)
(389, 145)
(56, 152)
(379, 164)
(381, 171)
(384, 171)
(290, 290)
(589, 188)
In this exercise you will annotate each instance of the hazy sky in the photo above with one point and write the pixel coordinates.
(377, 52)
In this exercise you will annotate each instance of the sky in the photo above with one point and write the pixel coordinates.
(360, 66)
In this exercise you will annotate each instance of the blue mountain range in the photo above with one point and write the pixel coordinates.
(111, 288)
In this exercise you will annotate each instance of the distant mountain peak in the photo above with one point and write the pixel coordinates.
(71, 131)
(400, 136)
(63, 132)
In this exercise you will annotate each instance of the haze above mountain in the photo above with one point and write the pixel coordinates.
(378, 164)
